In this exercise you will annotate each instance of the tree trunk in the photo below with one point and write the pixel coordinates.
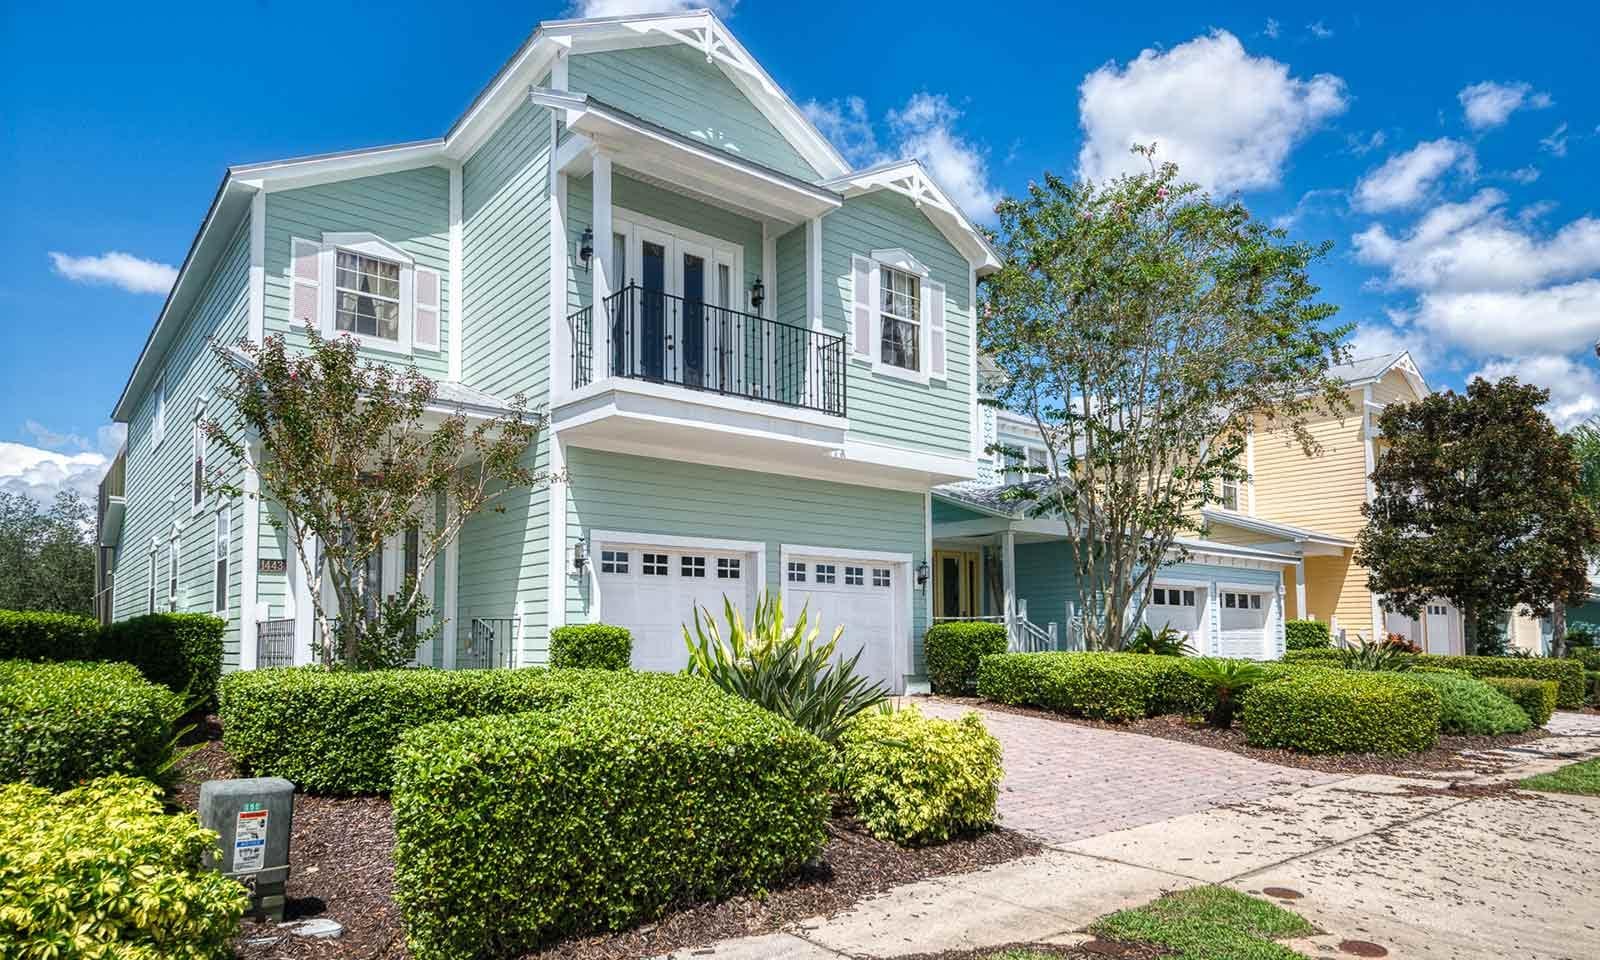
(1558, 629)
(1469, 630)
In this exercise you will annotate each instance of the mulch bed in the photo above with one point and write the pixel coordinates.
(1444, 756)
(341, 851)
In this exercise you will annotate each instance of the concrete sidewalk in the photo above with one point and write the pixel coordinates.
(1406, 863)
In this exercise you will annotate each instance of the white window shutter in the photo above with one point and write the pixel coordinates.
(425, 332)
(307, 257)
(934, 308)
(864, 307)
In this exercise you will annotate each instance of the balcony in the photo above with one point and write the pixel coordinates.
(660, 338)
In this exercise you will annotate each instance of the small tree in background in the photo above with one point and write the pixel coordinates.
(1586, 447)
(46, 554)
(1477, 501)
(356, 454)
(1146, 329)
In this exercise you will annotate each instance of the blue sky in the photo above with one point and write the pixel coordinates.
(1450, 158)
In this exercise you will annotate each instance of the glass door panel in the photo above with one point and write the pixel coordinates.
(693, 334)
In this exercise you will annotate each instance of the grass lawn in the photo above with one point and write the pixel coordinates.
(1208, 923)
(1582, 777)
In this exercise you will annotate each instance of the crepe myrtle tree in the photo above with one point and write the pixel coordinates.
(1477, 499)
(1147, 328)
(356, 453)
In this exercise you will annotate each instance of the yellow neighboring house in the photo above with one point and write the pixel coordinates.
(1311, 507)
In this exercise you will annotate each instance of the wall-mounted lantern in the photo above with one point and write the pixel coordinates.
(586, 250)
(758, 294)
(580, 554)
(924, 573)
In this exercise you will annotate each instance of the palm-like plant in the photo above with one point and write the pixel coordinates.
(782, 668)
(1227, 680)
(1374, 656)
(1165, 642)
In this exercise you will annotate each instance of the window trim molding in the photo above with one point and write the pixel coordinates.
(221, 553)
(901, 259)
(367, 245)
(158, 412)
(897, 258)
(198, 451)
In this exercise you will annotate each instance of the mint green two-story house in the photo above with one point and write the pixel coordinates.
(757, 362)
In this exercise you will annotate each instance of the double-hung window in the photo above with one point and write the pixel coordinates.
(366, 296)
(150, 583)
(224, 533)
(172, 574)
(1230, 494)
(197, 456)
(900, 319)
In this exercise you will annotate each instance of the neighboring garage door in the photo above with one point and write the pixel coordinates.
(1244, 616)
(856, 594)
(1182, 608)
(653, 591)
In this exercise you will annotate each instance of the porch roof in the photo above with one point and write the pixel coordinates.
(1007, 500)
(1285, 531)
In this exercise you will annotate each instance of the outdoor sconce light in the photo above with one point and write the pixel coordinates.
(758, 294)
(586, 253)
(923, 573)
(580, 554)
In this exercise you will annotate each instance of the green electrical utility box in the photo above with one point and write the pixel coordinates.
(253, 817)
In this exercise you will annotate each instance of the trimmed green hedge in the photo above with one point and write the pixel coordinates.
(1591, 679)
(917, 780)
(332, 732)
(1567, 673)
(954, 649)
(1342, 711)
(597, 646)
(182, 651)
(655, 792)
(1102, 686)
(1306, 635)
(33, 635)
(1537, 698)
(102, 871)
(1588, 656)
(64, 723)
(1471, 706)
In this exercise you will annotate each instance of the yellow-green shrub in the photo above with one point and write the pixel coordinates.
(652, 792)
(1342, 711)
(1537, 698)
(918, 780)
(101, 871)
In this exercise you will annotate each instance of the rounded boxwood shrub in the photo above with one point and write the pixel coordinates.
(917, 780)
(182, 651)
(1536, 698)
(954, 649)
(597, 646)
(103, 871)
(64, 723)
(1470, 706)
(1568, 674)
(654, 792)
(332, 731)
(1102, 686)
(1342, 711)
(1306, 635)
(34, 635)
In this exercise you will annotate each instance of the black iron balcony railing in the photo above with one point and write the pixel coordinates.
(487, 645)
(664, 338)
(275, 643)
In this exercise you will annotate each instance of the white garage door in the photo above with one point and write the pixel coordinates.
(654, 590)
(1183, 609)
(1244, 623)
(856, 594)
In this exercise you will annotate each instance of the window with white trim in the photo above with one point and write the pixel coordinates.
(613, 561)
(172, 574)
(826, 573)
(694, 567)
(797, 572)
(728, 568)
(150, 583)
(880, 576)
(366, 295)
(654, 565)
(1242, 601)
(854, 576)
(197, 457)
(900, 319)
(1171, 597)
(158, 419)
(224, 532)
(1230, 494)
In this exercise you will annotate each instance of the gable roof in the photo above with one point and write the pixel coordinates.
(1364, 370)
(1288, 532)
(910, 178)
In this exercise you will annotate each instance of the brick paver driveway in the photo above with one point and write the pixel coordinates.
(1065, 782)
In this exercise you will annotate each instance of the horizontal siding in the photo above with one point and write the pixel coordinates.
(790, 252)
(935, 418)
(641, 495)
(1337, 587)
(158, 476)
(673, 86)
(1322, 492)
(410, 209)
(946, 512)
(1223, 533)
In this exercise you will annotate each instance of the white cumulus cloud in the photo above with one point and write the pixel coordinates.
(1564, 317)
(1406, 179)
(1228, 119)
(117, 269)
(1489, 104)
(1574, 387)
(41, 474)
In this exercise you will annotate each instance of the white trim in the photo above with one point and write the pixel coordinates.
(1250, 468)
(198, 443)
(972, 365)
(927, 555)
(457, 312)
(769, 272)
(369, 245)
(923, 374)
(158, 413)
(843, 553)
(911, 180)
(597, 538)
(452, 578)
(814, 273)
(902, 259)
(258, 266)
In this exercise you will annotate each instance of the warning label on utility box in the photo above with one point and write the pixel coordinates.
(249, 841)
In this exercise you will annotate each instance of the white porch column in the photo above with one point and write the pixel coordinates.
(1008, 576)
(601, 270)
(452, 572)
(1300, 590)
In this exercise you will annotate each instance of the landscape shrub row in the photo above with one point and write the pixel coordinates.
(183, 651)
(1342, 711)
(1536, 698)
(593, 646)
(654, 791)
(333, 732)
(1101, 686)
(102, 871)
(917, 780)
(1567, 673)
(952, 651)
(1306, 635)
(1470, 706)
(64, 723)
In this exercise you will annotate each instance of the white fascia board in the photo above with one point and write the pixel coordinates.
(910, 179)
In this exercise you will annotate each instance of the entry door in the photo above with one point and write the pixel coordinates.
(696, 326)
(655, 315)
(955, 584)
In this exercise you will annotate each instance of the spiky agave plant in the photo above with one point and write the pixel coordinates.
(781, 667)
